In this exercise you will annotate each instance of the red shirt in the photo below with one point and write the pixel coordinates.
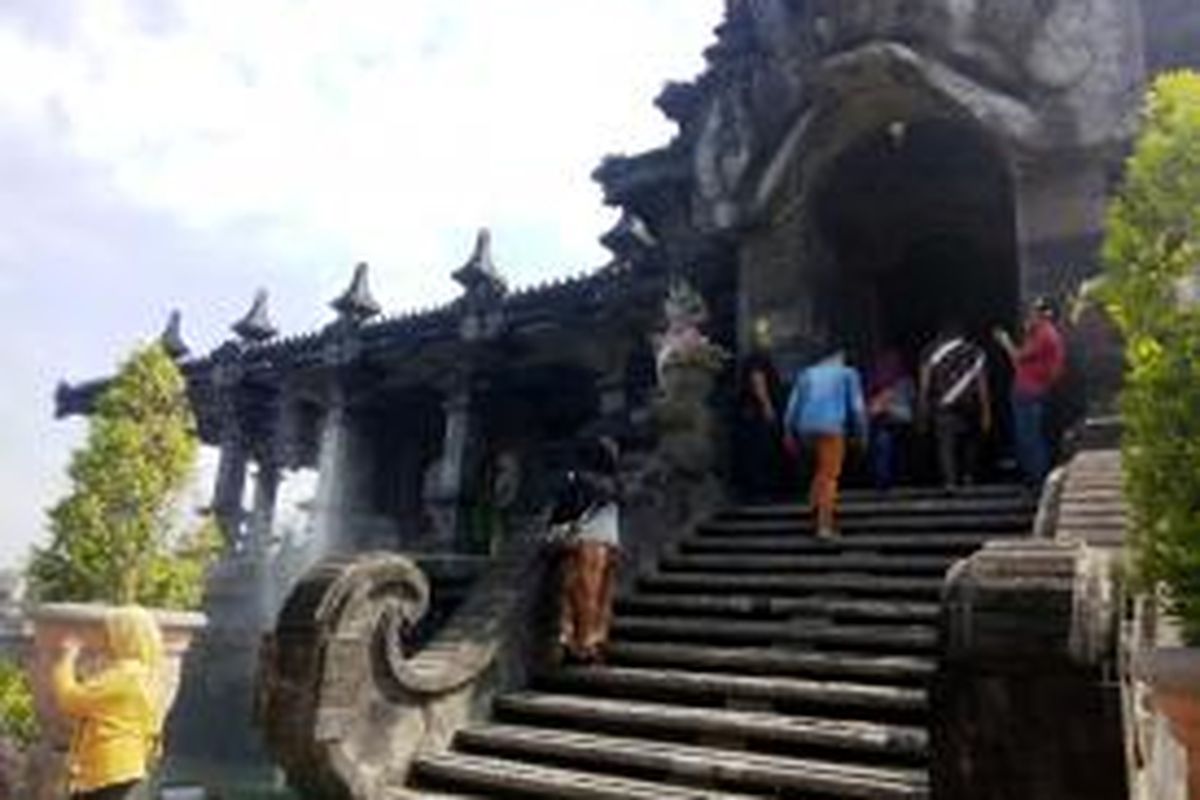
(1040, 360)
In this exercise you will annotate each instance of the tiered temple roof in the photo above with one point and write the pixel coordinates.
(259, 352)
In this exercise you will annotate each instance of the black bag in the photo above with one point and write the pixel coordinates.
(571, 500)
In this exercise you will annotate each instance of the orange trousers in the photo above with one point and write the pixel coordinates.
(823, 494)
(589, 576)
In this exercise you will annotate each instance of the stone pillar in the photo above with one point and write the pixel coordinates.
(231, 481)
(448, 483)
(262, 516)
(332, 523)
(271, 453)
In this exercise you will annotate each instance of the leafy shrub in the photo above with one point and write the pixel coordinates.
(1151, 252)
(18, 719)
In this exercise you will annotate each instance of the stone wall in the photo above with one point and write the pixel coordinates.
(780, 264)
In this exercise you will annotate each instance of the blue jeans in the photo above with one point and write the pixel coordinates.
(885, 450)
(1032, 445)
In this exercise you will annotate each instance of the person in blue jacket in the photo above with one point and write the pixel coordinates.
(825, 407)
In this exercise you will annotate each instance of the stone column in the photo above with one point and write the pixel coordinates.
(449, 480)
(274, 454)
(262, 516)
(231, 481)
(334, 479)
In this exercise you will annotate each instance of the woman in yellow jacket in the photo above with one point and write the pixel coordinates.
(117, 712)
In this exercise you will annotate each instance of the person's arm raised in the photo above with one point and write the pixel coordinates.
(76, 698)
(1006, 343)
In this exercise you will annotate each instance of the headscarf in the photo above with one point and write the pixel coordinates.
(133, 635)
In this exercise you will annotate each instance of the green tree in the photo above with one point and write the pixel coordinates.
(116, 536)
(1152, 250)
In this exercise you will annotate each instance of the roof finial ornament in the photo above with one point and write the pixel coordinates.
(256, 325)
(356, 303)
(171, 338)
(630, 234)
(479, 275)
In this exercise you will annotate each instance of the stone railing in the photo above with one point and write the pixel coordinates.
(345, 707)
(1032, 697)
(1083, 502)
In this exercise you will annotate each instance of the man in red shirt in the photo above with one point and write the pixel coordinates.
(1038, 363)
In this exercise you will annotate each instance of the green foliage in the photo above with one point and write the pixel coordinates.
(114, 536)
(18, 718)
(1153, 243)
(177, 580)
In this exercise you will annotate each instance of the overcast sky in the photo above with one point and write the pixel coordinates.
(157, 154)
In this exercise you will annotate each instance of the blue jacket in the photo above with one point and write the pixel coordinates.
(827, 398)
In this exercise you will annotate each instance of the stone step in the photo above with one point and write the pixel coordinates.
(645, 719)
(659, 684)
(702, 766)
(715, 630)
(901, 494)
(877, 524)
(517, 778)
(766, 607)
(1116, 515)
(945, 504)
(750, 544)
(805, 584)
(774, 661)
(776, 563)
(1090, 491)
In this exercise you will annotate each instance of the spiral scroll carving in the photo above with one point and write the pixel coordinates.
(327, 704)
(345, 705)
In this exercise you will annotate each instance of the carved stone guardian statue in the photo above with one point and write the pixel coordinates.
(687, 364)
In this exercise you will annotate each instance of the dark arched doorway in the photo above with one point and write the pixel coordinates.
(919, 218)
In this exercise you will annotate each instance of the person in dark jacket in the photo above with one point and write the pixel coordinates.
(759, 453)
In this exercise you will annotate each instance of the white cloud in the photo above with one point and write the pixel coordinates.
(179, 153)
(379, 124)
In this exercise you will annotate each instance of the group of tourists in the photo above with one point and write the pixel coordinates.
(829, 408)
(946, 400)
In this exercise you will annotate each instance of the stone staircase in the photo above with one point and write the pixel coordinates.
(757, 661)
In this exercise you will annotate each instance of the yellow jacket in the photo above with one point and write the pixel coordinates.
(116, 712)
